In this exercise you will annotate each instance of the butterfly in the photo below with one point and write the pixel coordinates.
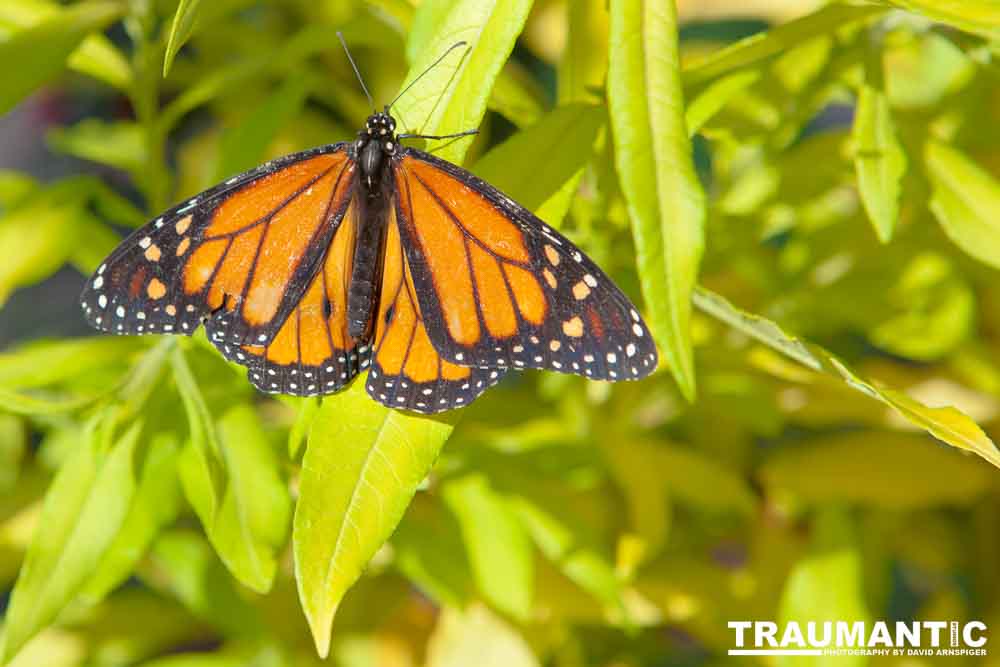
(370, 255)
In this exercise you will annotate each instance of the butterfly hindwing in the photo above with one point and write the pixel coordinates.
(498, 287)
(312, 352)
(407, 371)
(238, 256)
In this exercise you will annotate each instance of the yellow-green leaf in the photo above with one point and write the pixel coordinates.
(945, 423)
(452, 96)
(37, 54)
(362, 465)
(654, 163)
(879, 160)
(180, 31)
(966, 201)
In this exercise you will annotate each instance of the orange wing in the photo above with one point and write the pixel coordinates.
(407, 372)
(311, 353)
(238, 257)
(498, 288)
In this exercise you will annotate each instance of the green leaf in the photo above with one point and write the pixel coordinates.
(429, 552)
(250, 523)
(583, 66)
(361, 468)
(563, 141)
(808, 595)
(37, 237)
(764, 45)
(499, 549)
(966, 201)
(180, 31)
(15, 187)
(879, 159)
(866, 468)
(244, 145)
(476, 636)
(184, 566)
(41, 50)
(201, 464)
(717, 95)
(155, 504)
(42, 363)
(634, 467)
(96, 56)
(978, 16)
(452, 96)
(22, 404)
(563, 535)
(946, 423)
(308, 408)
(119, 144)
(83, 512)
(517, 96)
(654, 163)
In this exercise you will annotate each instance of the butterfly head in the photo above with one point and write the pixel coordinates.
(374, 143)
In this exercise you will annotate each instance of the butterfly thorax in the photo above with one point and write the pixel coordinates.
(374, 149)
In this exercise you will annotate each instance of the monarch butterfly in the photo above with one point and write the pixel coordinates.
(318, 265)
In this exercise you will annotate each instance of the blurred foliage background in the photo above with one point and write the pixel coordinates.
(841, 170)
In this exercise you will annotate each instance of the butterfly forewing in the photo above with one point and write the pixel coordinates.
(312, 352)
(499, 288)
(238, 257)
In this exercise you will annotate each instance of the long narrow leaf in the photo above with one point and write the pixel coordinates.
(654, 163)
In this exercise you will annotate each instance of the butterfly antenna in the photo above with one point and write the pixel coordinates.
(357, 72)
(429, 68)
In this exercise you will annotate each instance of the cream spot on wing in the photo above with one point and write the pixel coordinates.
(555, 345)
(573, 327)
(182, 248)
(549, 278)
(581, 291)
(183, 224)
(156, 289)
(553, 256)
(153, 253)
(590, 280)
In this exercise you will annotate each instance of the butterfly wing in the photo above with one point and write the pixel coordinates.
(238, 257)
(498, 288)
(407, 371)
(311, 353)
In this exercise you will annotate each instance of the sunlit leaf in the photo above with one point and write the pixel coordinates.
(452, 97)
(945, 423)
(966, 201)
(517, 96)
(563, 140)
(499, 549)
(717, 95)
(41, 50)
(84, 511)
(362, 466)
(654, 163)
